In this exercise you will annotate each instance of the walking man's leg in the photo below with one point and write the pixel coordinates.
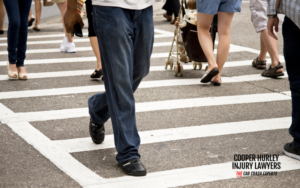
(125, 41)
(291, 37)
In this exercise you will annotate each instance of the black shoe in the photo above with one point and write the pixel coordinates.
(209, 75)
(97, 74)
(97, 132)
(30, 22)
(290, 151)
(1, 32)
(134, 167)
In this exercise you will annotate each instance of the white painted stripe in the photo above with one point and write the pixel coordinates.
(182, 133)
(144, 84)
(88, 72)
(78, 41)
(80, 49)
(149, 106)
(188, 176)
(85, 34)
(63, 160)
(163, 32)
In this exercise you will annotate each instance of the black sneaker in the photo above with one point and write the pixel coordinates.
(290, 151)
(134, 167)
(97, 132)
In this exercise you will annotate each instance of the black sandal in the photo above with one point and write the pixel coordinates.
(97, 74)
(259, 64)
(209, 75)
(271, 72)
(30, 22)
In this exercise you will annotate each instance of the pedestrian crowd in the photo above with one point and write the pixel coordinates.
(123, 31)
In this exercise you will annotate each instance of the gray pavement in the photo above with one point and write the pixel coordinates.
(37, 154)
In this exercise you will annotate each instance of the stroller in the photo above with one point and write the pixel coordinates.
(186, 38)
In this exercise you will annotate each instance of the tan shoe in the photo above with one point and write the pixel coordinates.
(10, 73)
(169, 18)
(22, 76)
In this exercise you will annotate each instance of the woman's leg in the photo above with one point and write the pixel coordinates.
(2, 14)
(224, 23)
(38, 12)
(203, 26)
(24, 7)
(94, 44)
(63, 8)
(12, 9)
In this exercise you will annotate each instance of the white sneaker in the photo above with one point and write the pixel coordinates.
(70, 47)
(63, 45)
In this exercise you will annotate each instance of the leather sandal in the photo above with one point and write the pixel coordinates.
(271, 72)
(259, 64)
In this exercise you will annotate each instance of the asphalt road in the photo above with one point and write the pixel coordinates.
(190, 132)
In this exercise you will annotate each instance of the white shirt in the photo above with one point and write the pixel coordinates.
(126, 4)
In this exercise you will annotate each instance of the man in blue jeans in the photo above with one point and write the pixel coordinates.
(291, 37)
(125, 33)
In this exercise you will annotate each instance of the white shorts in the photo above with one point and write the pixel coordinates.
(259, 16)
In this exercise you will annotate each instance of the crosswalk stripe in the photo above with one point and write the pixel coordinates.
(100, 88)
(59, 42)
(80, 49)
(149, 106)
(88, 72)
(61, 159)
(182, 133)
(188, 176)
(85, 34)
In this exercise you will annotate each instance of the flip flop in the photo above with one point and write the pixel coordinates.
(30, 22)
(216, 83)
(209, 75)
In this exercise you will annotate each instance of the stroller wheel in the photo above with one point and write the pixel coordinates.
(170, 62)
(175, 70)
(194, 65)
(181, 70)
(200, 65)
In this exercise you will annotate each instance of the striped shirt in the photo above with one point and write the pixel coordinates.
(290, 8)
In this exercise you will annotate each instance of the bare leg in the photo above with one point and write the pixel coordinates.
(2, 14)
(38, 12)
(263, 50)
(271, 45)
(94, 44)
(30, 14)
(203, 26)
(63, 8)
(224, 23)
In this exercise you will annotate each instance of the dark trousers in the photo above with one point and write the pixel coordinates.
(125, 40)
(291, 37)
(172, 7)
(17, 12)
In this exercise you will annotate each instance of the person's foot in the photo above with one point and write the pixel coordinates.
(290, 151)
(70, 47)
(1, 32)
(97, 132)
(134, 167)
(97, 73)
(216, 81)
(36, 28)
(168, 17)
(173, 21)
(22, 73)
(278, 70)
(12, 70)
(63, 44)
(30, 21)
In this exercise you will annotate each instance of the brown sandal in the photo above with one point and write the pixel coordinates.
(259, 64)
(271, 72)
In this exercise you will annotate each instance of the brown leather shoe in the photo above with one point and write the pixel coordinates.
(173, 21)
(169, 18)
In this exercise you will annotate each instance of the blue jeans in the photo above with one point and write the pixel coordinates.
(17, 12)
(291, 38)
(125, 41)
